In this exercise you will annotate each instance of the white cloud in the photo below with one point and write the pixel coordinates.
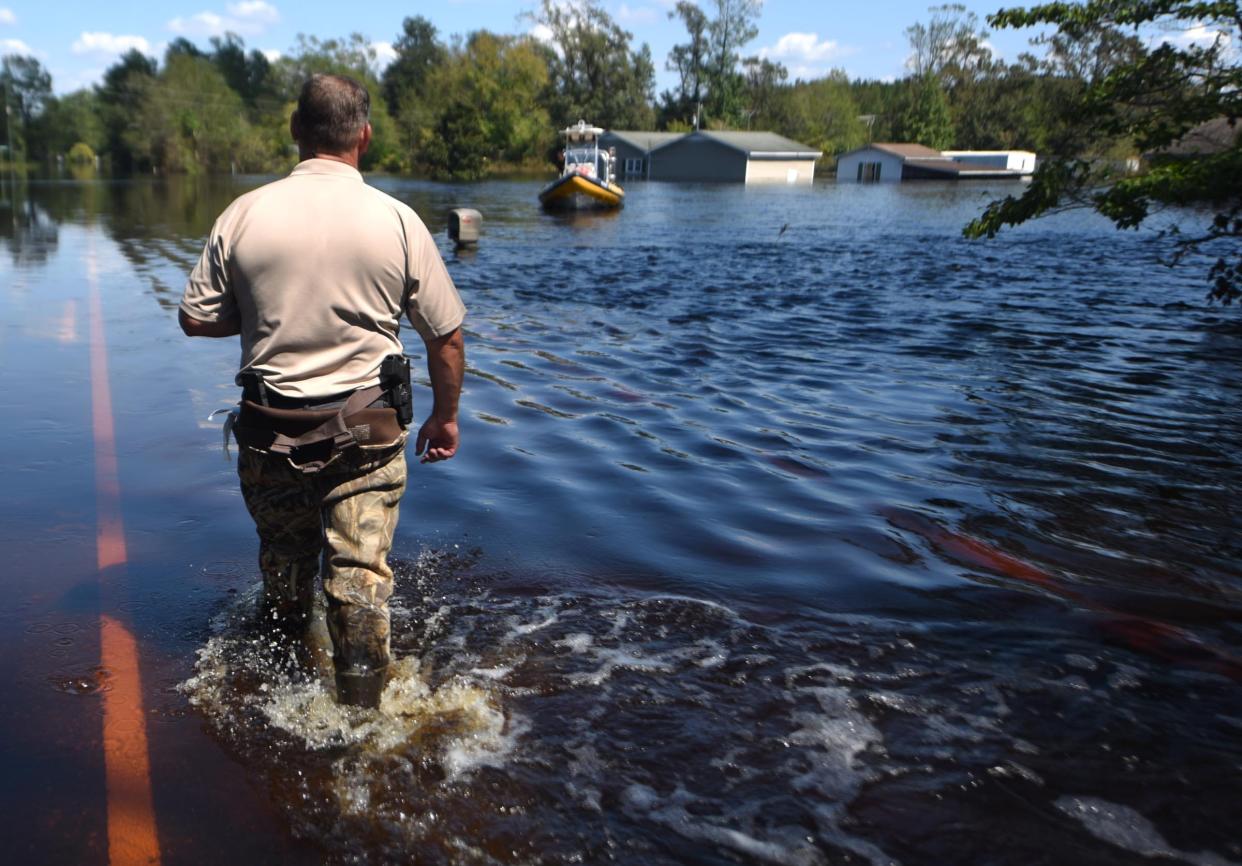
(640, 15)
(247, 18)
(272, 54)
(15, 46)
(804, 47)
(542, 32)
(805, 55)
(255, 10)
(7, 16)
(384, 54)
(1198, 36)
(109, 43)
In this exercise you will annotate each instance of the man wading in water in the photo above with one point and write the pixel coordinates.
(314, 272)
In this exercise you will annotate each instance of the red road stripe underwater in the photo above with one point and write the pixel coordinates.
(1149, 636)
(132, 835)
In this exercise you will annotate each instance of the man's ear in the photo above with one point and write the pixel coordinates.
(364, 140)
(295, 128)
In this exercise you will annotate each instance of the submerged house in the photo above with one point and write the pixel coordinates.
(702, 155)
(883, 163)
(632, 147)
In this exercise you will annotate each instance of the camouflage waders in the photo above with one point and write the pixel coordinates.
(340, 521)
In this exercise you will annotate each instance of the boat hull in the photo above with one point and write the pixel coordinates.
(576, 191)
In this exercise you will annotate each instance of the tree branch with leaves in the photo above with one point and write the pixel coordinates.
(1155, 97)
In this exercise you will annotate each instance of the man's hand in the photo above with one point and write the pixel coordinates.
(446, 365)
(437, 440)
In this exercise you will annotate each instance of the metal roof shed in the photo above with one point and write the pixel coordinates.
(746, 157)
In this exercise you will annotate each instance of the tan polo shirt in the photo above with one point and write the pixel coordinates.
(320, 268)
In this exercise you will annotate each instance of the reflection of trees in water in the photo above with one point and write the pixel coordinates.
(159, 227)
(157, 224)
(30, 233)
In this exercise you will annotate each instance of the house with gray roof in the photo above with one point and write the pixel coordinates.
(632, 147)
(885, 162)
(703, 155)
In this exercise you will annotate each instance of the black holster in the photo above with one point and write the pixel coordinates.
(395, 380)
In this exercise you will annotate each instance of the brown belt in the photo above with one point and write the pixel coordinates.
(311, 438)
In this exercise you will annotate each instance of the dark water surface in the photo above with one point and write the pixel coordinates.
(856, 543)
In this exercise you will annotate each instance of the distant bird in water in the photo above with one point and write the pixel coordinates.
(782, 231)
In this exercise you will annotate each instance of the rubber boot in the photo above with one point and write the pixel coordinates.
(287, 602)
(360, 688)
(359, 651)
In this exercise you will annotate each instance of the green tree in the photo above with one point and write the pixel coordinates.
(124, 85)
(25, 87)
(950, 47)
(419, 52)
(735, 24)
(925, 116)
(72, 119)
(595, 74)
(1155, 99)
(489, 114)
(765, 80)
(821, 113)
(249, 74)
(689, 61)
(181, 47)
(1089, 51)
(188, 119)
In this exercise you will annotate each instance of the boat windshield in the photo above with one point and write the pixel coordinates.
(589, 161)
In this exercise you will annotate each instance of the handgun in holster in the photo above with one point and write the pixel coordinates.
(253, 388)
(395, 380)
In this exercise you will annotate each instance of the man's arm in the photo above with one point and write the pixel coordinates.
(446, 364)
(192, 327)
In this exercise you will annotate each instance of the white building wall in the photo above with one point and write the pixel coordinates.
(799, 172)
(889, 165)
(1013, 160)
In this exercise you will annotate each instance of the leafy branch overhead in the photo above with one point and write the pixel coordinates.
(1178, 102)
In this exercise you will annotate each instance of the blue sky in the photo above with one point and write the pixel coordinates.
(76, 41)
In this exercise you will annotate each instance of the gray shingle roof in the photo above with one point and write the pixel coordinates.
(909, 151)
(644, 140)
(754, 143)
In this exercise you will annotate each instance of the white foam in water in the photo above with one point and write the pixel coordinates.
(531, 627)
(577, 643)
(832, 740)
(306, 709)
(672, 813)
(620, 658)
(1127, 829)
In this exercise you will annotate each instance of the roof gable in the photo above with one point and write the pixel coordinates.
(642, 139)
(759, 142)
(907, 151)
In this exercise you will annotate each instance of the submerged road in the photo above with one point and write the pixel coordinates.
(132, 835)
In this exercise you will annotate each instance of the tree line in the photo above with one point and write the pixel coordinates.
(468, 105)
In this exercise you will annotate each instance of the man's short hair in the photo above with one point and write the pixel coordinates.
(332, 109)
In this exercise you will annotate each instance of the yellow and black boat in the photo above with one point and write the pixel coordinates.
(586, 179)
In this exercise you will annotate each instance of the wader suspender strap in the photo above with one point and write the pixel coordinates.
(334, 428)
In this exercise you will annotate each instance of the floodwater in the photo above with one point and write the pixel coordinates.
(788, 527)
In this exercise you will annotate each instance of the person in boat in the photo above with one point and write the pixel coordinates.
(313, 271)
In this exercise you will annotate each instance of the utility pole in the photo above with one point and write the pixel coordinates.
(8, 134)
(8, 155)
(869, 120)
